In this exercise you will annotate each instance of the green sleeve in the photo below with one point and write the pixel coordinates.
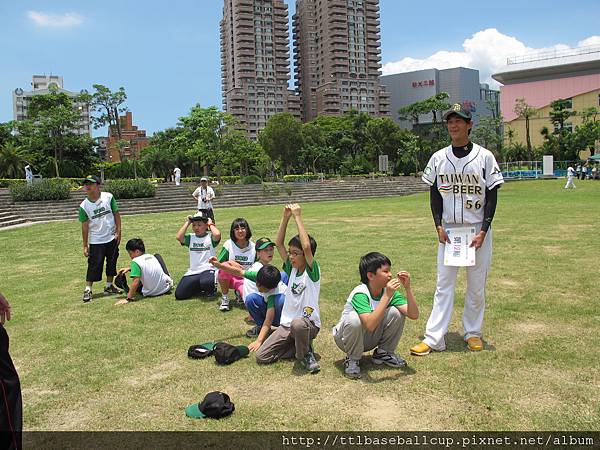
(83, 217)
(136, 270)
(186, 240)
(398, 299)
(314, 272)
(361, 303)
(250, 275)
(287, 267)
(271, 301)
(214, 242)
(223, 255)
(113, 205)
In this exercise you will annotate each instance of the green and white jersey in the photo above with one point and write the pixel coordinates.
(100, 214)
(269, 296)
(250, 279)
(243, 256)
(201, 249)
(154, 281)
(302, 294)
(462, 182)
(362, 301)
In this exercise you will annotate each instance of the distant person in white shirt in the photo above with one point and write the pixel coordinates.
(177, 173)
(570, 176)
(204, 194)
(28, 174)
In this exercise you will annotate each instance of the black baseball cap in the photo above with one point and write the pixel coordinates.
(459, 110)
(215, 405)
(91, 179)
(226, 353)
(263, 243)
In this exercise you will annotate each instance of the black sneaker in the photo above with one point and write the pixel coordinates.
(310, 363)
(239, 301)
(253, 332)
(87, 296)
(111, 290)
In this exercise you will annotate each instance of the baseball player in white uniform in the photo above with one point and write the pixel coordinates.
(463, 179)
(570, 176)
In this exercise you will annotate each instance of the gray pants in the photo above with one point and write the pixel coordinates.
(353, 339)
(287, 342)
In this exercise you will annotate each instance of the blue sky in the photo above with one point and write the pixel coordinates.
(166, 54)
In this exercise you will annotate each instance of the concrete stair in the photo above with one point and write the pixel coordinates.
(179, 198)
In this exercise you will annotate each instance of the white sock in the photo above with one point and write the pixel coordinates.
(88, 288)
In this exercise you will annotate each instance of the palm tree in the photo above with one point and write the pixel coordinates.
(11, 161)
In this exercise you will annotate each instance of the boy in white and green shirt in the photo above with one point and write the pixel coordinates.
(300, 319)
(101, 232)
(373, 316)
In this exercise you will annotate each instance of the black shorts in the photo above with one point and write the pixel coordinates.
(97, 254)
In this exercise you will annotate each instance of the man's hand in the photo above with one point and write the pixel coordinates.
(392, 286)
(477, 241)
(294, 209)
(253, 346)
(404, 278)
(209, 222)
(86, 251)
(442, 235)
(4, 309)
(123, 301)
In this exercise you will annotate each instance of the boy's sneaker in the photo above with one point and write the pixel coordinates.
(87, 296)
(111, 290)
(389, 359)
(352, 368)
(224, 306)
(239, 301)
(310, 363)
(253, 332)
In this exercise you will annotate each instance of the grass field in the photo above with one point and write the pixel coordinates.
(97, 366)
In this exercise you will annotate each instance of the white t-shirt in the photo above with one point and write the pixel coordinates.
(207, 194)
(177, 172)
(251, 288)
(362, 301)
(201, 249)
(302, 294)
(154, 280)
(101, 217)
(462, 182)
(243, 256)
(570, 172)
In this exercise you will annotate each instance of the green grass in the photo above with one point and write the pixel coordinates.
(100, 367)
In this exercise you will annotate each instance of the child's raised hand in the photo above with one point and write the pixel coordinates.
(295, 209)
(404, 278)
(392, 286)
(209, 222)
(287, 211)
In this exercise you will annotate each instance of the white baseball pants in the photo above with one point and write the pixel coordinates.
(443, 300)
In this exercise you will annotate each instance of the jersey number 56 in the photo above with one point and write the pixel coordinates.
(469, 204)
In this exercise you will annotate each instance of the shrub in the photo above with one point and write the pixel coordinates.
(251, 179)
(8, 182)
(227, 179)
(47, 189)
(139, 188)
(295, 178)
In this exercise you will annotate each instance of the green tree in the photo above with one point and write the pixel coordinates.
(107, 105)
(282, 139)
(432, 105)
(12, 161)
(525, 111)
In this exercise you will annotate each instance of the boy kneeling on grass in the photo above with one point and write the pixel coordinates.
(149, 273)
(373, 316)
(270, 288)
(300, 320)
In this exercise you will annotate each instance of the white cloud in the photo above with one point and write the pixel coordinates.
(55, 20)
(486, 51)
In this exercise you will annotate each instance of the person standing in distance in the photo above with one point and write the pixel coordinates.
(28, 174)
(570, 176)
(177, 174)
(464, 179)
(204, 194)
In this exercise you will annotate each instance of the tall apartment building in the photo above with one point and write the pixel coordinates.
(40, 85)
(255, 62)
(338, 57)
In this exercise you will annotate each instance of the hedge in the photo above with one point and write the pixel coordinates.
(46, 189)
(226, 179)
(251, 179)
(139, 188)
(305, 177)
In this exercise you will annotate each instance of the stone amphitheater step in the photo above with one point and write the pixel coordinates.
(178, 198)
(9, 222)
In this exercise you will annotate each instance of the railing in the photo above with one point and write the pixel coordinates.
(551, 54)
(519, 170)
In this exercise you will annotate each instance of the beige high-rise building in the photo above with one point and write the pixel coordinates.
(255, 62)
(338, 57)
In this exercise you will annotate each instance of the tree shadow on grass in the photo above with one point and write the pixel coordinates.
(367, 367)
